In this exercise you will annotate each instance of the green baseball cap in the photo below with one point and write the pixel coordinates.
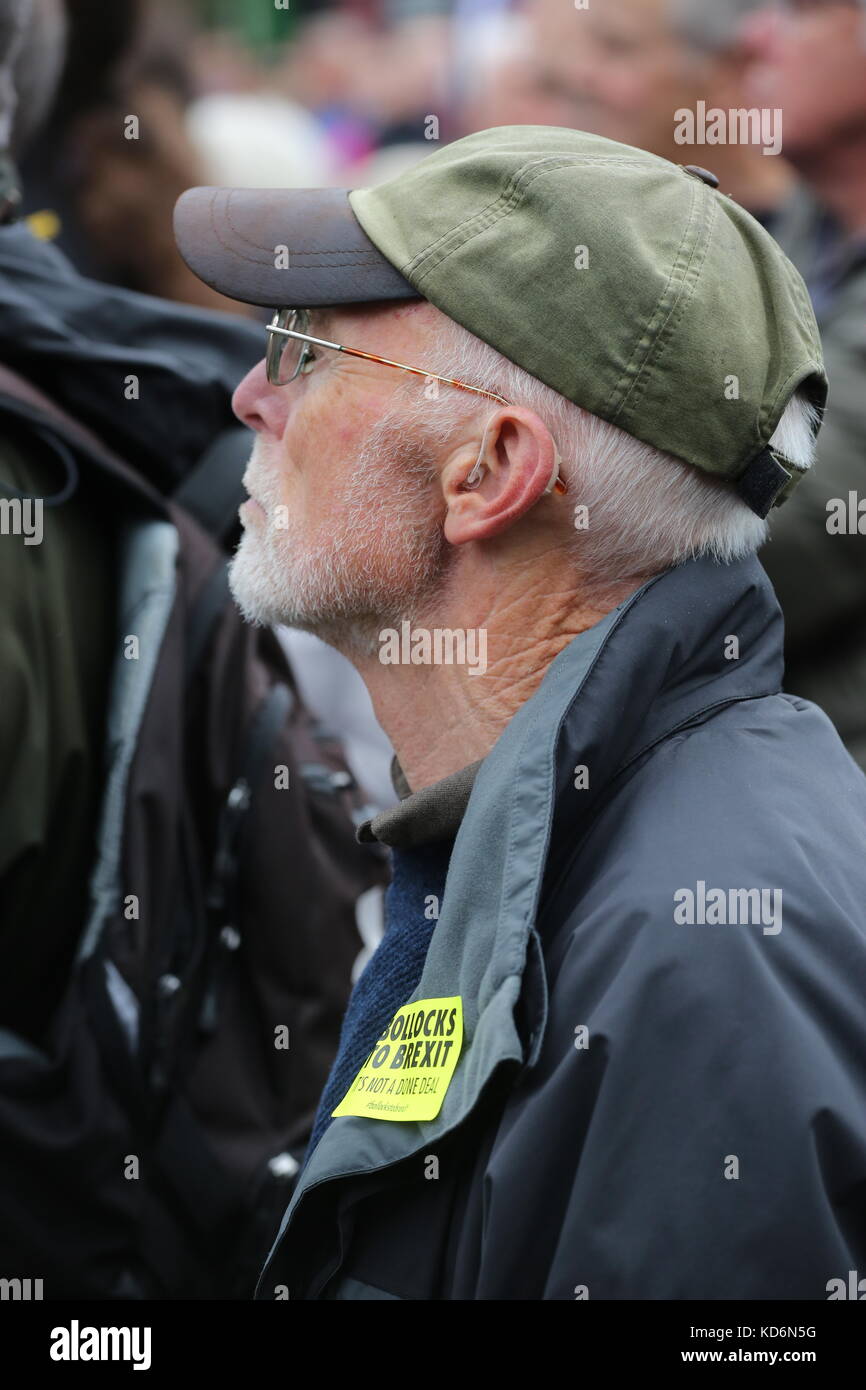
(631, 285)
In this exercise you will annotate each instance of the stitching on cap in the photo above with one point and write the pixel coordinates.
(505, 196)
(232, 250)
(358, 255)
(359, 258)
(502, 204)
(267, 250)
(654, 333)
(509, 198)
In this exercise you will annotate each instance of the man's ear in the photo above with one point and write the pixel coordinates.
(514, 468)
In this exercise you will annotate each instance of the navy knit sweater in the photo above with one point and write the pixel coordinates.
(392, 972)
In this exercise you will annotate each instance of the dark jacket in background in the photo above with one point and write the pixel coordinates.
(82, 343)
(193, 1033)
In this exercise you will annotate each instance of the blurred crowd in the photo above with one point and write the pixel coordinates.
(351, 93)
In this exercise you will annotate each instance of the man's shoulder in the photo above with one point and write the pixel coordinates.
(745, 764)
(759, 802)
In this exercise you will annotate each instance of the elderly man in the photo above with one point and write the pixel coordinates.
(523, 413)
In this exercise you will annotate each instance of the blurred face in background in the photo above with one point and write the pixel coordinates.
(616, 68)
(810, 60)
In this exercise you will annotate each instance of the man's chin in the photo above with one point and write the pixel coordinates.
(335, 592)
(267, 600)
(252, 588)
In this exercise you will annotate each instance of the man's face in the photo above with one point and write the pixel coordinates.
(343, 532)
(618, 68)
(809, 59)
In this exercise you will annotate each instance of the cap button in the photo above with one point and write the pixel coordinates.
(705, 174)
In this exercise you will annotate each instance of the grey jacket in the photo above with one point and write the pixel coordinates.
(644, 1106)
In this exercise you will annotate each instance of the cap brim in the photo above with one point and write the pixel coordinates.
(283, 247)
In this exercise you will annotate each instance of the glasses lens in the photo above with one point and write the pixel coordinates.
(284, 354)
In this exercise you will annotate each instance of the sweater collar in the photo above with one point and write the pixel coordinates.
(424, 817)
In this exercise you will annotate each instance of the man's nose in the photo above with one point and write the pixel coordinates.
(260, 405)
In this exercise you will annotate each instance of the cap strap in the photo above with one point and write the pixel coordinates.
(762, 481)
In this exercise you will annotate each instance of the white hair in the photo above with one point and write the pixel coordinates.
(646, 509)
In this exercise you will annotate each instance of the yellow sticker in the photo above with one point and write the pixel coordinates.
(409, 1070)
(44, 224)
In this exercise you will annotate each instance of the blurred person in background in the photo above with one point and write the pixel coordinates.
(107, 201)
(809, 59)
(623, 68)
(493, 78)
(371, 85)
(155, 934)
(318, 70)
(259, 138)
(627, 66)
(409, 84)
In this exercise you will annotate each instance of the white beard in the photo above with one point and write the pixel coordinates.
(383, 554)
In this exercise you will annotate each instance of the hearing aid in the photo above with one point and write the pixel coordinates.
(473, 478)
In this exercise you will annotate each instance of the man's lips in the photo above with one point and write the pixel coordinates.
(251, 507)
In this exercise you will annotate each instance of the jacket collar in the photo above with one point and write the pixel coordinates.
(697, 637)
